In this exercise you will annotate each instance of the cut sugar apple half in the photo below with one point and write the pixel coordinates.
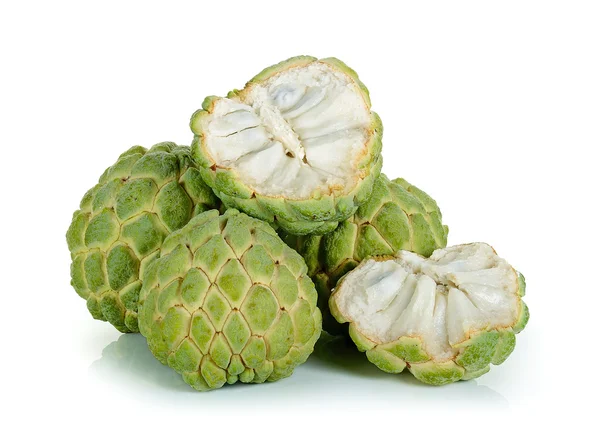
(444, 318)
(298, 146)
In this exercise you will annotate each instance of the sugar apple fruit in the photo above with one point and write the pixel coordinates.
(445, 318)
(299, 145)
(397, 216)
(122, 222)
(228, 300)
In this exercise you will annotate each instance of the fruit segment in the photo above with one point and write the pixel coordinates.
(228, 301)
(298, 146)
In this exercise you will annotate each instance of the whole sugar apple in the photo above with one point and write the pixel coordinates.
(123, 220)
(299, 146)
(228, 300)
(397, 216)
(445, 318)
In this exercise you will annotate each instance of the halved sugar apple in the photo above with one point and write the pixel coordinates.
(229, 301)
(298, 146)
(397, 216)
(122, 222)
(445, 318)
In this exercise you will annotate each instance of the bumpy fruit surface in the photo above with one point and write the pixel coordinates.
(123, 220)
(299, 146)
(397, 216)
(446, 318)
(228, 300)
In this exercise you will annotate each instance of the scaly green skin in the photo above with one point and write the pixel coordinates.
(397, 216)
(475, 354)
(316, 215)
(227, 301)
(122, 222)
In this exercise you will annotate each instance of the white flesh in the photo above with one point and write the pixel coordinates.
(300, 131)
(443, 299)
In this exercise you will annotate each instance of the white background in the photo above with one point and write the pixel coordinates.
(493, 108)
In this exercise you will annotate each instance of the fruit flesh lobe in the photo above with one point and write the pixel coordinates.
(458, 292)
(302, 131)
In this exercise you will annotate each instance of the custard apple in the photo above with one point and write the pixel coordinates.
(228, 300)
(444, 319)
(299, 146)
(397, 216)
(122, 222)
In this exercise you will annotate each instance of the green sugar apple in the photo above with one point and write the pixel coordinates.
(444, 318)
(123, 220)
(397, 216)
(298, 147)
(229, 301)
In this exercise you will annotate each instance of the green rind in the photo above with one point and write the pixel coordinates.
(477, 351)
(506, 345)
(363, 343)
(476, 373)
(340, 65)
(290, 63)
(437, 374)
(523, 318)
(522, 284)
(408, 349)
(385, 361)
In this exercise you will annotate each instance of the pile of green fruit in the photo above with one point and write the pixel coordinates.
(233, 255)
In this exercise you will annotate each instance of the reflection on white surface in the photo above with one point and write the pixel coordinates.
(128, 359)
(335, 373)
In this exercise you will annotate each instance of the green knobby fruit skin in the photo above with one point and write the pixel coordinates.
(228, 301)
(397, 216)
(474, 356)
(122, 222)
(316, 215)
